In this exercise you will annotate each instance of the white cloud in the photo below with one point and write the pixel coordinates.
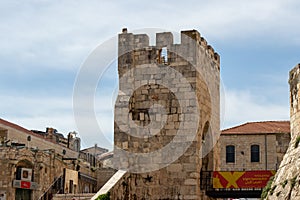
(243, 106)
(60, 34)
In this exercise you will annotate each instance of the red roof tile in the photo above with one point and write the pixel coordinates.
(259, 128)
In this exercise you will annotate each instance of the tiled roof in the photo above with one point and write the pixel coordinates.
(259, 128)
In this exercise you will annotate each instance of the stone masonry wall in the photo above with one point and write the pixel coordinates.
(282, 144)
(163, 93)
(286, 183)
(242, 145)
(269, 144)
(45, 164)
(103, 175)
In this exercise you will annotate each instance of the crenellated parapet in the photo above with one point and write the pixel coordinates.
(135, 49)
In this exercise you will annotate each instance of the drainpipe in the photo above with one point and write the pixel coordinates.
(266, 153)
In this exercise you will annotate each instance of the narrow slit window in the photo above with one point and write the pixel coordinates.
(164, 55)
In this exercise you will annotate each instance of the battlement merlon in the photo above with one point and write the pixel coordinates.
(129, 42)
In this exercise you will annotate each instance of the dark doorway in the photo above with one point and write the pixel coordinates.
(23, 194)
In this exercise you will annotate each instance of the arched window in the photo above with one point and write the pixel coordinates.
(24, 171)
(254, 153)
(230, 154)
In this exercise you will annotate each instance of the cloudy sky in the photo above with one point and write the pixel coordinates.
(43, 44)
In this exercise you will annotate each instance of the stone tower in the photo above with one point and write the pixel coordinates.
(167, 116)
(294, 82)
(286, 183)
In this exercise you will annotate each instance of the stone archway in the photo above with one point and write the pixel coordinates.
(24, 172)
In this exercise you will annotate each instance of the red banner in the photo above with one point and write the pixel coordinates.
(25, 184)
(241, 179)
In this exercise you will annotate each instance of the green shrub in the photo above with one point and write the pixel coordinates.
(104, 196)
(266, 189)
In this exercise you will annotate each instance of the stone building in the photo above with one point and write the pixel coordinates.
(254, 146)
(91, 154)
(286, 183)
(106, 171)
(28, 173)
(15, 135)
(33, 174)
(174, 84)
(89, 158)
(95, 150)
(36, 164)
